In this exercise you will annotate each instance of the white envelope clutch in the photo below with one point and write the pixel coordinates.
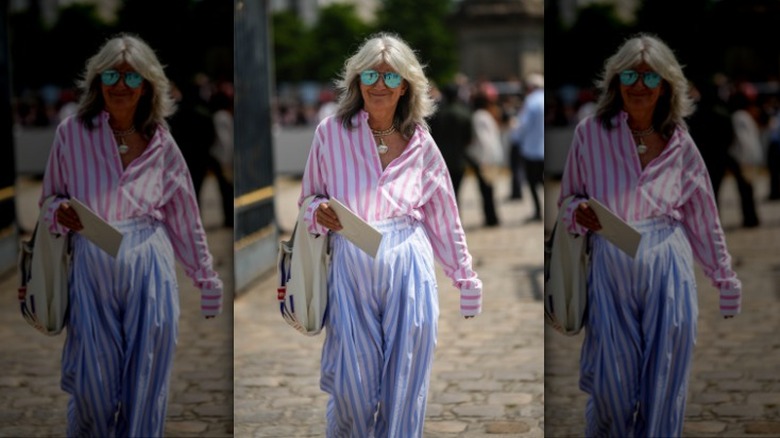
(98, 231)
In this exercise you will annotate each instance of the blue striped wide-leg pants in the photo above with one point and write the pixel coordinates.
(380, 334)
(121, 334)
(641, 331)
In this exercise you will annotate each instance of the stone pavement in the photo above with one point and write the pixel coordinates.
(487, 377)
(735, 381)
(201, 396)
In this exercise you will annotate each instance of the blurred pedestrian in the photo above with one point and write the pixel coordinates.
(221, 166)
(712, 128)
(452, 130)
(636, 157)
(117, 157)
(195, 132)
(484, 154)
(377, 157)
(528, 138)
(773, 164)
(746, 151)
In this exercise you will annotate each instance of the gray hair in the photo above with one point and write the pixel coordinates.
(673, 105)
(413, 107)
(153, 107)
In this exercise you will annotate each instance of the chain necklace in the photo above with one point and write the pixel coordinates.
(639, 135)
(120, 135)
(382, 147)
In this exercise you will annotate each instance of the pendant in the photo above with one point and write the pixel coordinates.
(382, 148)
(641, 148)
(123, 148)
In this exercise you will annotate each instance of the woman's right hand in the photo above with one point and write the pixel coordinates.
(67, 217)
(585, 216)
(327, 217)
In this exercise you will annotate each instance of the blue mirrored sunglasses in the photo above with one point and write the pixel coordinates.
(111, 77)
(391, 78)
(650, 78)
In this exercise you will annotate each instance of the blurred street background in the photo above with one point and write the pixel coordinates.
(728, 53)
(487, 372)
(45, 47)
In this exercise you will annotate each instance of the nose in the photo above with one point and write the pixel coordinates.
(381, 81)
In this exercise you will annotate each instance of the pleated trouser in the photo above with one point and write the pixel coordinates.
(121, 335)
(380, 334)
(641, 331)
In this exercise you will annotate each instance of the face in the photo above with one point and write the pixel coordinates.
(380, 96)
(641, 95)
(125, 92)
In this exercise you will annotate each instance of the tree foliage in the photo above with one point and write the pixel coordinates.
(291, 47)
(423, 24)
(189, 36)
(337, 34)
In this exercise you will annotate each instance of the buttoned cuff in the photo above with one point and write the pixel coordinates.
(730, 302)
(470, 302)
(211, 302)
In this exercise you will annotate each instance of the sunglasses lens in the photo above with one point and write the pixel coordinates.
(109, 77)
(628, 77)
(652, 79)
(392, 79)
(133, 79)
(369, 77)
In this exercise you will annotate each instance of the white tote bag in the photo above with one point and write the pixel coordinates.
(303, 263)
(565, 277)
(44, 271)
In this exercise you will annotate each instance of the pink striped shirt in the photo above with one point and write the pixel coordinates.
(604, 164)
(86, 165)
(344, 164)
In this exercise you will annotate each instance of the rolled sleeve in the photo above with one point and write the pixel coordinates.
(311, 221)
(471, 302)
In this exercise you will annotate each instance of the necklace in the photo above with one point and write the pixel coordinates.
(120, 135)
(642, 147)
(382, 147)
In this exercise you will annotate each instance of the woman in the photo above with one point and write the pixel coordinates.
(117, 156)
(377, 157)
(484, 152)
(635, 156)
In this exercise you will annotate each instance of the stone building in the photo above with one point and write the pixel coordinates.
(500, 39)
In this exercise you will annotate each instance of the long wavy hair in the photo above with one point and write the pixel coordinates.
(673, 105)
(154, 105)
(413, 106)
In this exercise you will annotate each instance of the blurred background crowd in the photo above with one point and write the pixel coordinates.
(728, 54)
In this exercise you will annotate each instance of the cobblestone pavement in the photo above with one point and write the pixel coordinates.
(201, 396)
(735, 381)
(487, 377)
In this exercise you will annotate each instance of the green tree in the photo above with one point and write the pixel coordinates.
(76, 36)
(337, 34)
(423, 24)
(29, 52)
(591, 40)
(292, 48)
